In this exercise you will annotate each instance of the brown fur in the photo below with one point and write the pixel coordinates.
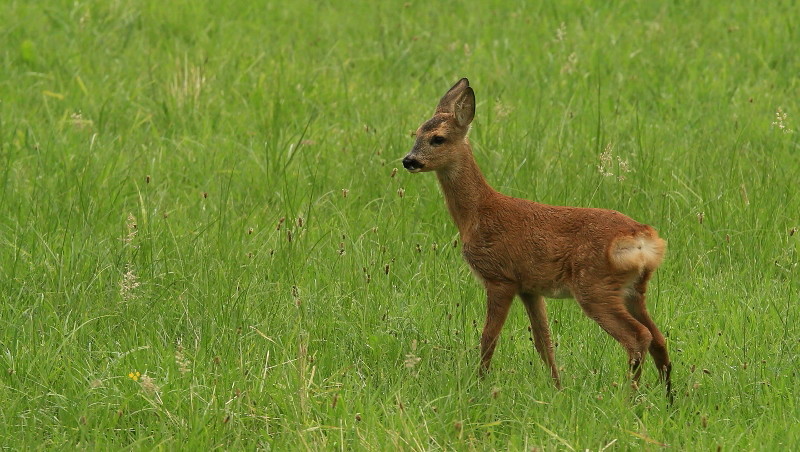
(600, 257)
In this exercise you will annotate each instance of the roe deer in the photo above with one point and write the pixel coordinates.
(600, 257)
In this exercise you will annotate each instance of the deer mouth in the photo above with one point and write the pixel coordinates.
(412, 165)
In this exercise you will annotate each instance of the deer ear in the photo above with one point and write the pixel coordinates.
(447, 101)
(464, 107)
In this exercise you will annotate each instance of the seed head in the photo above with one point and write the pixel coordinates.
(130, 224)
(780, 121)
(149, 385)
(561, 32)
(128, 284)
(606, 159)
(606, 166)
(183, 363)
(411, 358)
(571, 63)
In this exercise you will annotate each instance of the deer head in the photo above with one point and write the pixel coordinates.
(441, 138)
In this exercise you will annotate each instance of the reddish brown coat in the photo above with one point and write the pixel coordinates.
(600, 257)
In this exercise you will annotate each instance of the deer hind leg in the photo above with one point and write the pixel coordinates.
(537, 313)
(608, 310)
(635, 304)
(499, 298)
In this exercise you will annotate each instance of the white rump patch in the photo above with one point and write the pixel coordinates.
(636, 253)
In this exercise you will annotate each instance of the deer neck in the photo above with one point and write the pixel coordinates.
(464, 189)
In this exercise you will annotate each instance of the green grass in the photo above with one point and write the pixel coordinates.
(277, 281)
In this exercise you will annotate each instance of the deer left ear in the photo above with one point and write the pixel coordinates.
(464, 107)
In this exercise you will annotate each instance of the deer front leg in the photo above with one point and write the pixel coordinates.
(498, 302)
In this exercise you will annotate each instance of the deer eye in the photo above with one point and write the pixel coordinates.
(437, 140)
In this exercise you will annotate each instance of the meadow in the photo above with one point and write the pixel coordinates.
(207, 239)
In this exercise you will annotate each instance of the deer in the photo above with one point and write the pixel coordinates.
(515, 247)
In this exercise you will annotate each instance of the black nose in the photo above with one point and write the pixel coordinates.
(411, 163)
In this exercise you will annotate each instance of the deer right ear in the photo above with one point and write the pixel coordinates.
(464, 107)
(446, 104)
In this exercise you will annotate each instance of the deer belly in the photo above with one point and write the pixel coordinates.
(555, 292)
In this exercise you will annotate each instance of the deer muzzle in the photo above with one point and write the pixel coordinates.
(411, 164)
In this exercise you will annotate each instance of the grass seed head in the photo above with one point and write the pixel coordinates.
(570, 65)
(561, 32)
(128, 284)
(411, 358)
(149, 385)
(606, 159)
(780, 121)
(183, 363)
(132, 228)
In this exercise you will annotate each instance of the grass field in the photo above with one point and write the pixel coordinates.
(204, 242)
